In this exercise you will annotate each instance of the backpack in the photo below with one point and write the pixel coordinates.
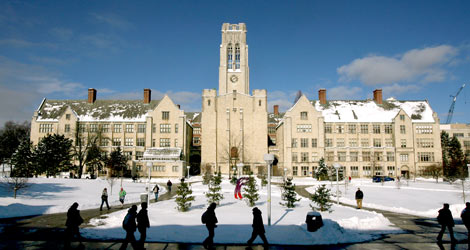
(204, 218)
(126, 222)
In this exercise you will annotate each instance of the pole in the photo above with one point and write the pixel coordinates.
(188, 170)
(269, 194)
(337, 187)
(149, 167)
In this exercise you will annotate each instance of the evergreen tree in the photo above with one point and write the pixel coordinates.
(95, 159)
(288, 194)
(215, 191)
(321, 198)
(322, 171)
(453, 159)
(11, 136)
(233, 181)
(53, 155)
(183, 196)
(117, 163)
(22, 160)
(251, 191)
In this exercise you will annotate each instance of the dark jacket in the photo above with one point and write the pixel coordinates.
(131, 226)
(258, 224)
(465, 215)
(73, 218)
(143, 219)
(359, 194)
(445, 217)
(211, 219)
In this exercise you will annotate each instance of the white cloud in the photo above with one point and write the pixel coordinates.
(396, 89)
(422, 65)
(285, 100)
(343, 93)
(112, 20)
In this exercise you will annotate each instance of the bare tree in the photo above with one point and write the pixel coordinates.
(14, 184)
(434, 170)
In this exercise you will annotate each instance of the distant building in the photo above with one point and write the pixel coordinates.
(460, 131)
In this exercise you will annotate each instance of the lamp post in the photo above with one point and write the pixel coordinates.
(149, 167)
(239, 166)
(188, 167)
(337, 166)
(285, 171)
(269, 159)
(234, 168)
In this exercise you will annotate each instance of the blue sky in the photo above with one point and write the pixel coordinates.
(413, 50)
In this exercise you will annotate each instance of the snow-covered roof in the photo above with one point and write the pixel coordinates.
(162, 154)
(273, 118)
(369, 111)
(100, 110)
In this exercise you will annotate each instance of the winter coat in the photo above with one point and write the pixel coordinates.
(122, 194)
(131, 225)
(143, 219)
(465, 215)
(445, 217)
(169, 183)
(210, 218)
(73, 218)
(156, 189)
(359, 195)
(258, 224)
(104, 195)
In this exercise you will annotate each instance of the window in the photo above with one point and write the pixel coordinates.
(165, 128)
(388, 129)
(366, 171)
(314, 156)
(82, 128)
(259, 103)
(402, 129)
(354, 171)
(304, 170)
(304, 128)
(330, 156)
(139, 155)
(465, 144)
(294, 157)
(154, 128)
(117, 128)
(104, 142)
(197, 131)
(426, 143)
(105, 128)
(353, 156)
(273, 140)
(404, 157)
(377, 156)
(129, 128)
(304, 156)
(378, 170)
(327, 128)
(364, 128)
(353, 142)
(376, 128)
(229, 55)
(237, 56)
(426, 156)
(116, 142)
(458, 135)
(129, 142)
(165, 142)
(328, 143)
(154, 144)
(127, 154)
(208, 102)
(196, 140)
(294, 142)
(94, 128)
(377, 142)
(390, 156)
(67, 116)
(365, 156)
(140, 128)
(140, 142)
(391, 170)
(365, 142)
(45, 128)
(403, 143)
(388, 142)
(304, 142)
(303, 115)
(340, 129)
(176, 128)
(314, 142)
(424, 129)
(295, 170)
(174, 168)
(176, 143)
(271, 130)
(340, 142)
(165, 115)
(67, 128)
(402, 117)
(352, 128)
(341, 156)
(158, 168)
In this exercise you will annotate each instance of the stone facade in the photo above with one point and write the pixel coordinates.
(462, 133)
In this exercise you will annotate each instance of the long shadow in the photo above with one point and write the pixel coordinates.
(284, 215)
(39, 190)
(20, 210)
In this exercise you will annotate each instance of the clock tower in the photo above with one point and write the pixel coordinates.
(233, 70)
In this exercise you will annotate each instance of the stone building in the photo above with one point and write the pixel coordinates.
(145, 130)
(234, 122)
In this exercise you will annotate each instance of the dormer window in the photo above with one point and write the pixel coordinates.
(67, 116)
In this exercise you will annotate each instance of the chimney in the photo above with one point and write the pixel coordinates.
(322, 96)
(91, 95)
(147, 95)
(276, 109)
(179, 106)
(378, 96)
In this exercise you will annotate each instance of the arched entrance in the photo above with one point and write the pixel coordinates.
(405, 172)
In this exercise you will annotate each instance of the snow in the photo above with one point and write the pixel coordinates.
(56, 195)
(343, 225)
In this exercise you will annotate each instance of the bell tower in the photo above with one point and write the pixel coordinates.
(234, 74)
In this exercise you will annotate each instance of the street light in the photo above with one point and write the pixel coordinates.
(269, 159)
(149, 167)
(337, 166)
(188, 167)
(239, 165)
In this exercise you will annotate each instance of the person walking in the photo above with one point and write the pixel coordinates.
(465, 215)
(209, 218)
(104, 198)
(122, 196)
(156, 189)
(74, 220)
(258, 228)
(130, 226)
(359, 197)
(446, 220)
(142, 224)
(169, 184)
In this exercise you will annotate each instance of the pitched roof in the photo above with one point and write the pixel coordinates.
(272, 118)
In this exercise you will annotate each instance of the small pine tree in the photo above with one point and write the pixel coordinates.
(322, 172)
(288, 194)
(183, 196)
(233, 181)
(251, 191)
(214, 194)
(264, 181)
(321, 198)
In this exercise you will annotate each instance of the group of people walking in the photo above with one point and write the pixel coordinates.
(133, 221)
(446, 220)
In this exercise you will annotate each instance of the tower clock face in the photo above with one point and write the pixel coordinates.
(234, 78)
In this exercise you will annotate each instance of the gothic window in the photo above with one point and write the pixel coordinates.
(229, 56)
(237, 56)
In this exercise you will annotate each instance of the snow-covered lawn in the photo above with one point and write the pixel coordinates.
(56, 195)
(343, 225)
